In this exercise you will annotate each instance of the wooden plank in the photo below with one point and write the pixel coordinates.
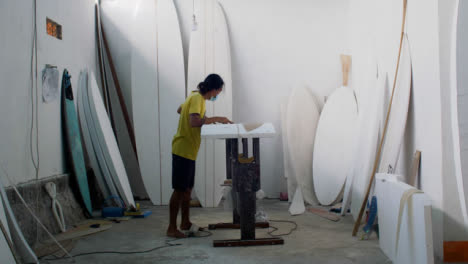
(455, 251)
(325, 214)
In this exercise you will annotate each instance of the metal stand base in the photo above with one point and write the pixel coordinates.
(236, 226)
(244, 243)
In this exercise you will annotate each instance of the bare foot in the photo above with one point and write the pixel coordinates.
(175, 233)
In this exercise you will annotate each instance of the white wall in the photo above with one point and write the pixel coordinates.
(380, 21)
(75, 51)
(276, 46)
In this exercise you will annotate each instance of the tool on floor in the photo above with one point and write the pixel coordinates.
(137, 213)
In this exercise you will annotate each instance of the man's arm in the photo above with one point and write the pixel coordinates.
(179, 110)
(197, 121)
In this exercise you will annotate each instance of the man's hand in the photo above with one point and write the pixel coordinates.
(223, 120)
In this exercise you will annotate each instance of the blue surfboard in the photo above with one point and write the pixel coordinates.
(74, 149)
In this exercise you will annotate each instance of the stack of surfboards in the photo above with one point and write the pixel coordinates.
(210, 53)
(100, 142)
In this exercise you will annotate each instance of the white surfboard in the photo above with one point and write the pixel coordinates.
(116, 18)
(459, 104)
(171, 83)
(302, 118)
(370, 117)
(398, 114)
(108, 142)
(210, 53)
(21, 245)
(102, 166)
(288, 173)
(158, 88)
(6, 256)
(86, 134)
(366, 90)
(334, 142)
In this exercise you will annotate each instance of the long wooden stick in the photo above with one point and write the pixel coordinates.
(379, 151)
(120, 94)
(100, 57)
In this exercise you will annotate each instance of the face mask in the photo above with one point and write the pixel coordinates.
(213, 98)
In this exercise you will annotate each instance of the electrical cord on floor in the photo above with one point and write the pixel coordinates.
(276, 228)
(167, 245)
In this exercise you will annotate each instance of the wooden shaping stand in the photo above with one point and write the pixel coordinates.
(245, 175)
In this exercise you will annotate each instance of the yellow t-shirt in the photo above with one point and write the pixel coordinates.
(187, 140)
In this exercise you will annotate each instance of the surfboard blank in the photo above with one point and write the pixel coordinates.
(302, 117)
(334, 143)
(460, 106)
(288, 173)
(100, 167)
(108, 143)
(158, 88)
(210, 53)
(398, 114)
(368, 138)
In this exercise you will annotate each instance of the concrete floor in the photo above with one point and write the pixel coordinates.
(316, 240)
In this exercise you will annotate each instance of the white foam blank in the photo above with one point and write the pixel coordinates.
(85, 129)
(107, 181)
(398, 114)
(297, 206)
(209, 52)
(171, 77)
(301, 123)
(370, 116)
(145, 97)
(415, 242)
(108, 142)
(288, 173)
(459, 99)
(334, 143)
(366, 89)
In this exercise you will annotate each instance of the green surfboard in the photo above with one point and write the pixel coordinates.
(74, 149)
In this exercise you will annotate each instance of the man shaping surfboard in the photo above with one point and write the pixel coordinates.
(185, 146)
